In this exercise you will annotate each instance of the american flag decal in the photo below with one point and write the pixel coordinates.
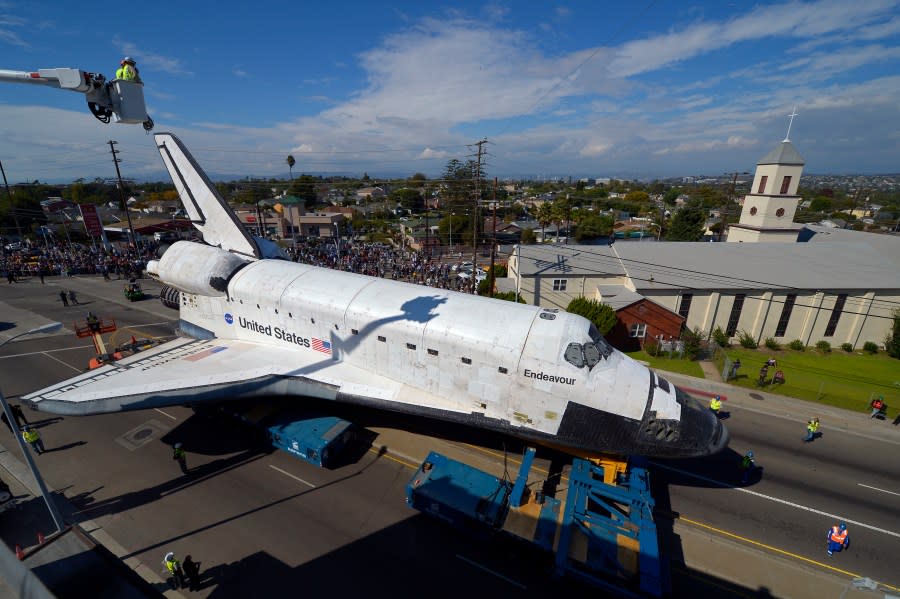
(322, 346)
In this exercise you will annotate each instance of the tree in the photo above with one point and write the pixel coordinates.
(821, 204)
(411, 199)
(602, 315)
(528, 237)
(593, 226)
(892, 341)
(671, 195)
(688, 224)
(305, 189)
(291, 162)
(544, 216)
(638, 197)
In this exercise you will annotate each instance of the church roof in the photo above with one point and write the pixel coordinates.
(783, 153)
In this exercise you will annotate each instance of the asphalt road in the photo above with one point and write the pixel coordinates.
(261, 522)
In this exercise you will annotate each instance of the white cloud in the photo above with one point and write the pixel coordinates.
(150, 60)
(302, 149)
(792, 19)
(428, 153)
(8, 34)
(239, 72)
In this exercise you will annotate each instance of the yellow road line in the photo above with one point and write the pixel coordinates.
(777, 550)
(387, 455)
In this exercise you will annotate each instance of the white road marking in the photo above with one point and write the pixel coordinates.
(297, 478)
(777, 500)
(164, 414)
(46, 351)
(78, 370)
(489, 571)
(877, 489)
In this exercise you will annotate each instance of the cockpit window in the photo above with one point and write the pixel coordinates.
(591, 354)
(574, 355)
(602, 344)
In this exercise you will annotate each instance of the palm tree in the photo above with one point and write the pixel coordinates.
(291, 162)
(544, 216)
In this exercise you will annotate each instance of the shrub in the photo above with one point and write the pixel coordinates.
(870, 347)
(847, 347)
(602, 315)
(771, 343)
(720, 337)
(747, 340)
(651, 346)
(823, 346)
(693, 343)
(796, 345)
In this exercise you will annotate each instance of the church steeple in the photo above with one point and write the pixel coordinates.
(769, 208)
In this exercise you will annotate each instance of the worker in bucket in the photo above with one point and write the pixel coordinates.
(127, 70)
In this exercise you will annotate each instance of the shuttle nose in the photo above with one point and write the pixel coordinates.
(701, 432)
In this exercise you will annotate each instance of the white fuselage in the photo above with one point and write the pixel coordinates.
(464, 353)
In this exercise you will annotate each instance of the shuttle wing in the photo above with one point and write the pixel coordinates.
(186, 371)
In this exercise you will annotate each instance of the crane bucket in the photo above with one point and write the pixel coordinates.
(127, 99)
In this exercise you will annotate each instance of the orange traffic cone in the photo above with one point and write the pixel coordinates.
(19, 553)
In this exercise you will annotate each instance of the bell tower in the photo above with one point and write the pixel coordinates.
(769, 208)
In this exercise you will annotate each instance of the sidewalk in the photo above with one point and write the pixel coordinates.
(25, 489)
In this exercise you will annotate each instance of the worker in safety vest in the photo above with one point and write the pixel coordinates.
(93, 322)
(128, 71)
(812, 427)
(173, 566)
(838, 538)
(715, 404)
(746, 466)
(33, 437)
(179, 455)
(878, 407)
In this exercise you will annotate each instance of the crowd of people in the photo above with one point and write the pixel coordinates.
(125, 262)
(382, 260)
(68, 259)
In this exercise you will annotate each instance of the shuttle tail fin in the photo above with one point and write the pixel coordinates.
(209, 213)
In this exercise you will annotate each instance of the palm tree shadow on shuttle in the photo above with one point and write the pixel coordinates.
(420, 310)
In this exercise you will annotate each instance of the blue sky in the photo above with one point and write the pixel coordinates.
(644, 89)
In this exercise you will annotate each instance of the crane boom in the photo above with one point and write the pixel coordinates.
(123, 100)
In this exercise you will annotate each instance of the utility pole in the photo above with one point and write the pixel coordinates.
(12, 207)
(475, 213)
(728, 203)
(493, 238)
(116, 161)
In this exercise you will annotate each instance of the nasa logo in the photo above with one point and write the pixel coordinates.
(229, 318)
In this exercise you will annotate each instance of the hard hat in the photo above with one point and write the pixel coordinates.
(128, 59)
(717, 397)
(750, 454)
(169, 556)
(843, 526)
(177, 445)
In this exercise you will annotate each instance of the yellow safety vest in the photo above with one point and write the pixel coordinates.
(715, 404)
(126, 72)
(31, 436)
(172, 565)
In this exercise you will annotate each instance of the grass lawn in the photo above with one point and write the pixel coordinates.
(681, 366)
(837, 378)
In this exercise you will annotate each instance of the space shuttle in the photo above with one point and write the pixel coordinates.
(253, 325)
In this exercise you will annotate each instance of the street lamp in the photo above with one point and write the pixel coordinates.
(57, 519)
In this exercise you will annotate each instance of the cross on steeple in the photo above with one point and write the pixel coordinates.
(792, 115)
